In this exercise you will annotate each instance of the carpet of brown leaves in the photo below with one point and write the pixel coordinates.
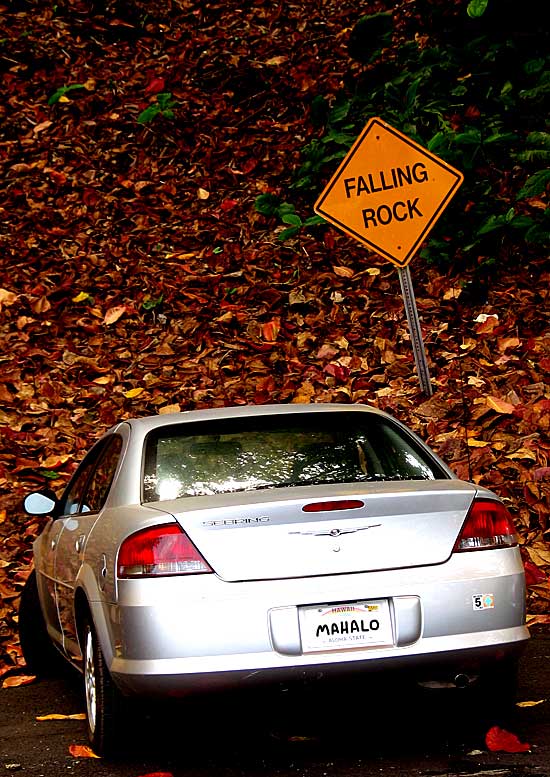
(136, 276)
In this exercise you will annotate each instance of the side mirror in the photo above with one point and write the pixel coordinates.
(40, 503)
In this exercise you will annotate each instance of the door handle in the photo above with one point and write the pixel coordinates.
(103, 572)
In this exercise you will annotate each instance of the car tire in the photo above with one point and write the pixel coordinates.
(497, 692)
(41, 657)
(104, 702)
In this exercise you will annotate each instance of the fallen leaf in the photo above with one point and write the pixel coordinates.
(133, 393)
(343, 272)
(533, 573)
(82, 751)
(498, 740)
(326, 351)
(270, 330)
(41, 127)
(169, 409)
(81, 296)
(17, 680)
(522, 453)
(157, 774)
(499, 405)
(56, 716)
(7, 297)
(483, 317)
(530, 703)
(276, 60)
(473, 443)
(534, 620)
(113, 314)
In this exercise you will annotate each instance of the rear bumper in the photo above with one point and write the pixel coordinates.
(438, 659)
(172, 636)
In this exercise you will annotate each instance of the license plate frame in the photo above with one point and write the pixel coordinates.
(355, 625)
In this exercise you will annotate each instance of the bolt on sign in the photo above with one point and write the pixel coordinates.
(388, 192)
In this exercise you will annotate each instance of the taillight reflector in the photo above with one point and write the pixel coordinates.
(338, 504)
(487, 525)
(157, 551)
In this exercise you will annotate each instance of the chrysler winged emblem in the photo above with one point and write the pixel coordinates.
(336, 532)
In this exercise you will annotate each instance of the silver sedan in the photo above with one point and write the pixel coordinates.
(221, 548)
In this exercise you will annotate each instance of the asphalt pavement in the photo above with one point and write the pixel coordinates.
(355, 729)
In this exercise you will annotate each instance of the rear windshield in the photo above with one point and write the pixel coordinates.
(201, 459)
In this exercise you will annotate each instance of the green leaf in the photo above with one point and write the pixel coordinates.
(491, 224)
(288, 233)
(522, 222)
(340, 111)
(267, 204)
(535, 185)
(314, 221)
(292, 218)
(165, 101)
(534, 66)
(149, 114)
(151, 302)
(62, 91)
(477, 8)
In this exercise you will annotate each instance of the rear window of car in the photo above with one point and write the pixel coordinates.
(245, 454)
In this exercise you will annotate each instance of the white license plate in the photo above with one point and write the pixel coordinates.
(344, 626)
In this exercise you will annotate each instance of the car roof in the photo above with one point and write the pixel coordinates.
(149, 423)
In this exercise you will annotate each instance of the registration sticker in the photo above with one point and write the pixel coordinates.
(346, 626)
(483, 601)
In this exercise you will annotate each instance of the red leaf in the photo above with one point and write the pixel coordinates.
(155, 86)
(17, 680)
(499, 740)
(228, 205)
(533, 574)
(157, 774)
(337, 371)
(82, 751)
(270, 330)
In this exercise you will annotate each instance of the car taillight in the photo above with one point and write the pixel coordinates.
(487, 525)
(160, 550)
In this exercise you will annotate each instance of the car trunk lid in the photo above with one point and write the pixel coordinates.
(265, 535)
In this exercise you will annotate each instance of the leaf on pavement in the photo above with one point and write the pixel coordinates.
(56, 716)
(17, 680)
(498, 740)
(157, 774)
(530, 703)
(82, 751)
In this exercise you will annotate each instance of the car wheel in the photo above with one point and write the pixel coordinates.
(104, 702)
(38, 651)
(497, 692)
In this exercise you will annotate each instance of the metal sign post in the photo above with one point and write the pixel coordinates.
(411, 310)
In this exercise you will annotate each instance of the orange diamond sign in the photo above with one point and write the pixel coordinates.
(388, 192)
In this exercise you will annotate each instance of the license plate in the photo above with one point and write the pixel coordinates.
(345, 626)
